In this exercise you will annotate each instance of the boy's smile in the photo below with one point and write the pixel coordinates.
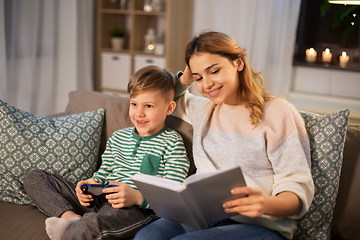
(148, 111)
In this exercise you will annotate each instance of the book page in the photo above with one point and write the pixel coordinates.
(170, 204)
(197, 177)
(197, 203)
(212, 191)
(160, 182)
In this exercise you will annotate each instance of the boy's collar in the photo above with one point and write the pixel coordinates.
(137, 137)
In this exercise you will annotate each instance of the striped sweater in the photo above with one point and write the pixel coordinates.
(274, 156)
(126, 154)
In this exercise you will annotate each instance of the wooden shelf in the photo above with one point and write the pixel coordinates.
(172, 26)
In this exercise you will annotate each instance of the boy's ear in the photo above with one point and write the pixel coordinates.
(171, 107)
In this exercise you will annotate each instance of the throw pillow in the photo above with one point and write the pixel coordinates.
(66, 146)
(327, 136)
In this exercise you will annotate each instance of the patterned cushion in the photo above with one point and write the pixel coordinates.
(66, 146)
(327, 136)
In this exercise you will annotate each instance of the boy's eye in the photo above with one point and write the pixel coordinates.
(133, 104)
(148, 106)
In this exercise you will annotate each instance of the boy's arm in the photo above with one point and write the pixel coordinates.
(105, 168)
(176, 161)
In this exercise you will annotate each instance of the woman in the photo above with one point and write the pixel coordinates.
(243, 125)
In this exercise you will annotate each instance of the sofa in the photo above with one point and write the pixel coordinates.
(336, 214)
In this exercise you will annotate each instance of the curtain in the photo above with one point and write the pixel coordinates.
(266, 29)
(46, 51)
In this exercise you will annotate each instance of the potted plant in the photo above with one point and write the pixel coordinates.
(117, 38)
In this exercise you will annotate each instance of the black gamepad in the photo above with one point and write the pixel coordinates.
(94, 190)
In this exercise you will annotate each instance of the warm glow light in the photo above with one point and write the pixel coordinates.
(311, 55)
(326, 56)
(350, 2)
(343, 59)
(151, 46)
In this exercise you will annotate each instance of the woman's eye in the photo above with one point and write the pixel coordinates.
(214, 72)
(198, 79)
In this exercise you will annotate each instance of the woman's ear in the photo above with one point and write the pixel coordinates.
(171, 107)
(240, 64)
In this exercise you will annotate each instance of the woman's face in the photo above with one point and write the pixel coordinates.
(216, 77)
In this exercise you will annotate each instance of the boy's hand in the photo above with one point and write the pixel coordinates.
(84, 199)
(123, 195)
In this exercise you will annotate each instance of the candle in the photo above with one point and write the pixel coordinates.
(311, 55)
(344, 59)
(326, 55)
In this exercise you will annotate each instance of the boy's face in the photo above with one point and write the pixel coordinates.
(148, 111)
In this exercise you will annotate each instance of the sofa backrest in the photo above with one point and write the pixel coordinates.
(345, 224)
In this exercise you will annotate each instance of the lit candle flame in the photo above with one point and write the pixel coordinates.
(312, 51)
(343, 54)
(327, 51)
(150, 46)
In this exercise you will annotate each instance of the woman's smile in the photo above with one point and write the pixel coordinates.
(214, 92)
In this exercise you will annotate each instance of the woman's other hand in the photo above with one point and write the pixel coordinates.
(187, 78)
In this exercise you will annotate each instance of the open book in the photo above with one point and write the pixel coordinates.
(197, 202)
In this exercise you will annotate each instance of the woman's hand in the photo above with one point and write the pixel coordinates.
(256, 203)
(123, 195)
(84, 199)
(187, 78)
(253, 205)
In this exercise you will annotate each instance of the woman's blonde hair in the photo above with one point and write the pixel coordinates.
(251, 88)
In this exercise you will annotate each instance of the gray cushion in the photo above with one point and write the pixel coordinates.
(66, 146)
(327, 136)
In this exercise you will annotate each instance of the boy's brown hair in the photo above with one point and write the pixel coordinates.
(152, 78)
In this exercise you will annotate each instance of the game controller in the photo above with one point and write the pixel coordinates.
(95, 190)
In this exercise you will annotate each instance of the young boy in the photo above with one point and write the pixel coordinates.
(149, 147)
